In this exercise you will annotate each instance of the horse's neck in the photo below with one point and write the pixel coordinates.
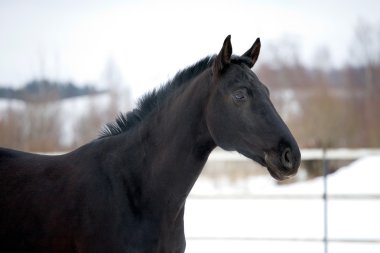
(178, 142)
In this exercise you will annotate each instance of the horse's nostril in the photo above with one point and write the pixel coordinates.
(287, 158)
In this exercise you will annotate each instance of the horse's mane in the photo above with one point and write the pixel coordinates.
(152, 99)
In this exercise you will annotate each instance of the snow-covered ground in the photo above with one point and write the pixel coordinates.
(228, 224)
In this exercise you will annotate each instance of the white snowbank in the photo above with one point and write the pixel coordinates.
(247, 218)
(359, 177)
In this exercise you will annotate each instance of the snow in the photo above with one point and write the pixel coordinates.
(225, 217)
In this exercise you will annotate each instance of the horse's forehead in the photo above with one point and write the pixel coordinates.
(243, 73)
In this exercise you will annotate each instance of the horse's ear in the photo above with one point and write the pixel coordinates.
(253, 52)
(224, 56)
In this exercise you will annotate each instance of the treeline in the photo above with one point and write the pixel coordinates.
(326, 107)
(43, 89)
(37, 118)
(336, 108)
(60, 125)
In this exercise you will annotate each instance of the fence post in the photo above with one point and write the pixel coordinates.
(325, 199)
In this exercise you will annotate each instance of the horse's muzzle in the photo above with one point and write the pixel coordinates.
(284, 165)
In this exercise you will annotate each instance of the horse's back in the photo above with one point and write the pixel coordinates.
(56, 203)
(6, 153)
(15, 164)
(15, 158)
(22, 166)
(30, 191)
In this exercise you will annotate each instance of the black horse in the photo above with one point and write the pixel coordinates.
(126, 190)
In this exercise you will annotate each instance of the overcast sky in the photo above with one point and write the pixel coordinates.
(149, 41)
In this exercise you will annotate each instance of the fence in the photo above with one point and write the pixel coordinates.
(309, 154)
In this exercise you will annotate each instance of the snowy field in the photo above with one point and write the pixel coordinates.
(237, 217)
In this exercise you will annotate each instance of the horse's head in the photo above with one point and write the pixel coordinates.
(241, 117)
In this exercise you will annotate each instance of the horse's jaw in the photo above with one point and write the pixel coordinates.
(272, 162)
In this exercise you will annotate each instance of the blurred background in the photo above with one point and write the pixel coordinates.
(68, 67)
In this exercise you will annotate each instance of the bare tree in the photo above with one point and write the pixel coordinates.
(366, 54)
(35, 128)
(90, 125)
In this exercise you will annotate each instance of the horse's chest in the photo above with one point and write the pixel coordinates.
(163, 235)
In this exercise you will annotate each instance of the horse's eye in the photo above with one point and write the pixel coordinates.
(239, 95)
